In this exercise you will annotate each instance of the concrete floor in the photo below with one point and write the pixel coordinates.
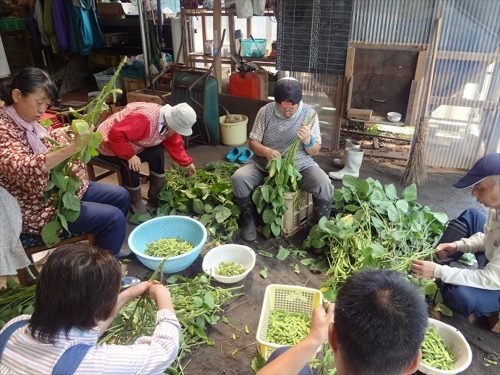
(437, 193)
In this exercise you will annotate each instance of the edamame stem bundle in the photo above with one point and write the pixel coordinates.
(168, 247)
(287, 328)
(229, 269)
(435, 352)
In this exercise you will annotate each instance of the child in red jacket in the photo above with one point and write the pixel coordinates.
(137, 134)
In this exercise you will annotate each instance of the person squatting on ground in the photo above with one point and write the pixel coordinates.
(376, 326)
(139, 133)
(26, 161)
(276, 126)
(472, 291)
(77, 297)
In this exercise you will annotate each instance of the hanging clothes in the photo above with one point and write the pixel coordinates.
(39, 21)
(48, 25)
(84, 31)
(60, 19)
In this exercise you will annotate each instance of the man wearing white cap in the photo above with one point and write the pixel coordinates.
(472, 291)
(138, 134)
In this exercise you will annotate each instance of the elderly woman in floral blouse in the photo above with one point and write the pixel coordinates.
(26, 161)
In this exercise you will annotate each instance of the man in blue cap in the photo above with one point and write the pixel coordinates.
(472, 291)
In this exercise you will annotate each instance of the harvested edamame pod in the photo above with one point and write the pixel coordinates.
(287, 328)
(168, 247)
(229, 269)
(435, 352)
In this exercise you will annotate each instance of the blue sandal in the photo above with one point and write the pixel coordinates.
(245, 156)
(235, 153)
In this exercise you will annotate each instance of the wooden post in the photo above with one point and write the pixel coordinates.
(232, 42)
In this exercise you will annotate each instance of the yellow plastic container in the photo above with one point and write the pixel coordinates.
(235, 133)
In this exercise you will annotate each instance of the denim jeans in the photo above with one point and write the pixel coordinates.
(103, 211)
(468, 300)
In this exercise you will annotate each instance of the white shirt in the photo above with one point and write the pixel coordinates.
(489, 242)
(24, 355)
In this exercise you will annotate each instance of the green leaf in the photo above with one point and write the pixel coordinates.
(393, 213)
(351, 207)
(221, 213)
(391, 192)
(71, 201)
(59, 180)
(276, 229)
(63, 221)
(257, 363)
(283, 253)
(441, 217)
(198, 207)
(266, 191)
(73, 184)
(264, 273)
(265, 254)
(445, 310)
(402, 205)
(208, 299)
(79, 126)
(430, 288)
(50, 232)
(410, 193)
(295, 268)
(268, 216)
(70, 215)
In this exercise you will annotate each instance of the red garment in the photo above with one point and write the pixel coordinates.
(25, 175)
(135, 128)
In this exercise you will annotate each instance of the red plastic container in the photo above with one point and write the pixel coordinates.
(246, 85)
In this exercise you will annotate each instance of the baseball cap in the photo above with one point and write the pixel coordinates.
(288, 88)
(180, 117)
(488, 165)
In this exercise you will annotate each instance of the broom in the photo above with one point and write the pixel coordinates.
(416, 171)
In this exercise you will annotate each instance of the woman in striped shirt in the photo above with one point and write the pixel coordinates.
(77, 297)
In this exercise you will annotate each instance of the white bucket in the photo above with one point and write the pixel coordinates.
(235, 133)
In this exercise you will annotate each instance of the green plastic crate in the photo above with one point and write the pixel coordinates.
(12, 24)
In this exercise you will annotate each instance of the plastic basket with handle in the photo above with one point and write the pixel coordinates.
(299, 210)
(290, 298)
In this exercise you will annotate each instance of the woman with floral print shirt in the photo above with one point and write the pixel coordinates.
(26, 161)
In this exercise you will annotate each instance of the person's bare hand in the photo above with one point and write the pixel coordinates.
(272, 154)
(423, 269)
(304, 134)
(191, 169)
(320, 322)
(134, 163)
(77, 171)
(444, 250)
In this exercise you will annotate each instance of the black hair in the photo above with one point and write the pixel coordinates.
(78, 287)
(380, 320)
(28, 80)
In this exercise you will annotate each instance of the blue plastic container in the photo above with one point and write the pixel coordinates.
(181, 227)
(253, 47)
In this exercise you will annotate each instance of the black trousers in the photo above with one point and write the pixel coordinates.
(154, 156)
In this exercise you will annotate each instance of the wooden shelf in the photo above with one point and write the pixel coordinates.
(208, 12)
(378, 120)
(200, 57)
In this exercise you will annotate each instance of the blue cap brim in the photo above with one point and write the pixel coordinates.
(468, 181)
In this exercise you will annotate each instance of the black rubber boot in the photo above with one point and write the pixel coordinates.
(321, 208)
(455, 230)
(248, 230)
(155, 186)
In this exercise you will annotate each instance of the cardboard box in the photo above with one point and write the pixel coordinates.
(149, 96)
(116, 10)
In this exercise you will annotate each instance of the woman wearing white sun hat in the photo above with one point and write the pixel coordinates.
(138, 134)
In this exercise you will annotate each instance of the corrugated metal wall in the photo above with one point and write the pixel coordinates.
(464, 111)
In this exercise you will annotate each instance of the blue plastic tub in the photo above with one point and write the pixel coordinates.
(181, 227)
(253, 47)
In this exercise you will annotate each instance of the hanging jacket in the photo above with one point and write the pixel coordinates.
(60, 20)
(84, 31)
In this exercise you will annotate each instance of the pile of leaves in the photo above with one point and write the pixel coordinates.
(206, 196)
(63, 186)
(197, 305)
(15, 300)
(374, 228)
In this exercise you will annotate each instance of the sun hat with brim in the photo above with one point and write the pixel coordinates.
(488, 165)
(180, 118)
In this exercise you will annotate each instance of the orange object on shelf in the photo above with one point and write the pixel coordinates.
(246, 85)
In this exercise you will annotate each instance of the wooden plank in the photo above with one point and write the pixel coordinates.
(376, 143)
(232, 42)
(468, 56)
(381, 153)
(349, 65)
(359, 114)
(411, 101)
(461, 102)
(406, 47)
(339, 113)
(350, 84)
(418, 77)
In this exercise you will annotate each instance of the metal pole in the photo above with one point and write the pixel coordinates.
(142, 22)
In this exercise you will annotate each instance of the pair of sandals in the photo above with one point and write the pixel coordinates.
(240, 154)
